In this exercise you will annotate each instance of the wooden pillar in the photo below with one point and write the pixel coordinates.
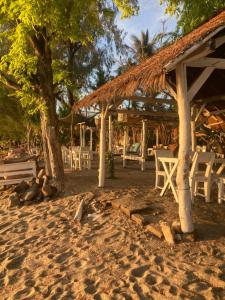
(183, 188)
(143, 146)
(81, 136)
(193, 137)
(124, 145)
(84, 131)
(91, 139)
(101, 176)
(110, 134)
(157, 136)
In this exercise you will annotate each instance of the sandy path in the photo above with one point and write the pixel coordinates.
(45, 255)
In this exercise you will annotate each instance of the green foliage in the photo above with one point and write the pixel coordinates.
(14, 120)
(191, 13)
(60, 23)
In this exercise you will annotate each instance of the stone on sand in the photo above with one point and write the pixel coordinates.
(167, 232)
(14, 199)
(155, 230)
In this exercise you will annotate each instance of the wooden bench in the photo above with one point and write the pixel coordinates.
(17, 172)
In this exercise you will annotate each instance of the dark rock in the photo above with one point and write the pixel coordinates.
(32, 192)
(14, 200)
(176, 226)
(39, 181)
(21, 187)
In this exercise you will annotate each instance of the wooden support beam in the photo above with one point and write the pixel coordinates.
(211, 99)
(157, 136)
(148, 113)
(81, 136)
(110, 134)
(217, 112)
(183, 187)
(193, 125)
(199, 112)
(196, 86)
(149, 100)
(171, 91)
(217, 63)
(101, 177)
(91, 139)
(125, 137)
(143, 146)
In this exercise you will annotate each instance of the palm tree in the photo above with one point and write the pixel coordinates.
(142, 47)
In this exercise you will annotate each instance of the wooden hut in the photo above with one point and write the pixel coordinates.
(192, 70)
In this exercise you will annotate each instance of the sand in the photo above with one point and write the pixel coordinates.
(45, 254)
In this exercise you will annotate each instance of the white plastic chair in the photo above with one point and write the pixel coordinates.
(159, 171)
(201, 172)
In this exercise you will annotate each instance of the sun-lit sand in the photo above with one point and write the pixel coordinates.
(44, 254)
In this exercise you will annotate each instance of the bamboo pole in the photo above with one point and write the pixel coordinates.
(183, 188)
(101, 177)
(143, 146)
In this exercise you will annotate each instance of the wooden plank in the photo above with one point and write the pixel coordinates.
(13, 173)
(196, 86)
(149, 100)
(18, 166)
(16, 180)
(217, 63)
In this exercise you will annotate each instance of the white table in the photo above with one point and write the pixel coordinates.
(170, 166)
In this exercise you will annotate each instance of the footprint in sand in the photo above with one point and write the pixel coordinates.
(26, 293)
(139, 272)
(16, 262)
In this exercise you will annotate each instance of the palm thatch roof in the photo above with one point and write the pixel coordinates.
(149, 76)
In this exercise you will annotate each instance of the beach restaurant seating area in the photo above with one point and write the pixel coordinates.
(206, 169)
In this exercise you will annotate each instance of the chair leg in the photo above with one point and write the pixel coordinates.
(156, 180)
(220, 191)
(207, 190)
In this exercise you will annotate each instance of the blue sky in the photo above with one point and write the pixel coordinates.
(150, 16)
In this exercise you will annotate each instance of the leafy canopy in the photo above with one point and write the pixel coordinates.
(191, 13)
(60, 21)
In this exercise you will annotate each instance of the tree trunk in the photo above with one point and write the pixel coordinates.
(45, 145)
(49, 120)
(184, 195)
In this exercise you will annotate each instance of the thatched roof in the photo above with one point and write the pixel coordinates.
(149, 76)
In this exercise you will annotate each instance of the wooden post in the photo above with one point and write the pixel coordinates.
(193, 138)
(143, 146)
(157, 136)
(81, 136)
(183, 188)
(101, 177)
(124, 145)
(84, 131)
(91, 139)
(110, 134)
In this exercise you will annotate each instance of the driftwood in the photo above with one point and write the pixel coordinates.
(167, 232)
(86, 198)
(79, 212)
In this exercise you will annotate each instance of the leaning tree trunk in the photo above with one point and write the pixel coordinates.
(49, 120)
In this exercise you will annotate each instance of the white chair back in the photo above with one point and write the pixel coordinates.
(161, 153)
(205, 159)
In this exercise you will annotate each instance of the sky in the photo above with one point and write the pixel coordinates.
(150, 16)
